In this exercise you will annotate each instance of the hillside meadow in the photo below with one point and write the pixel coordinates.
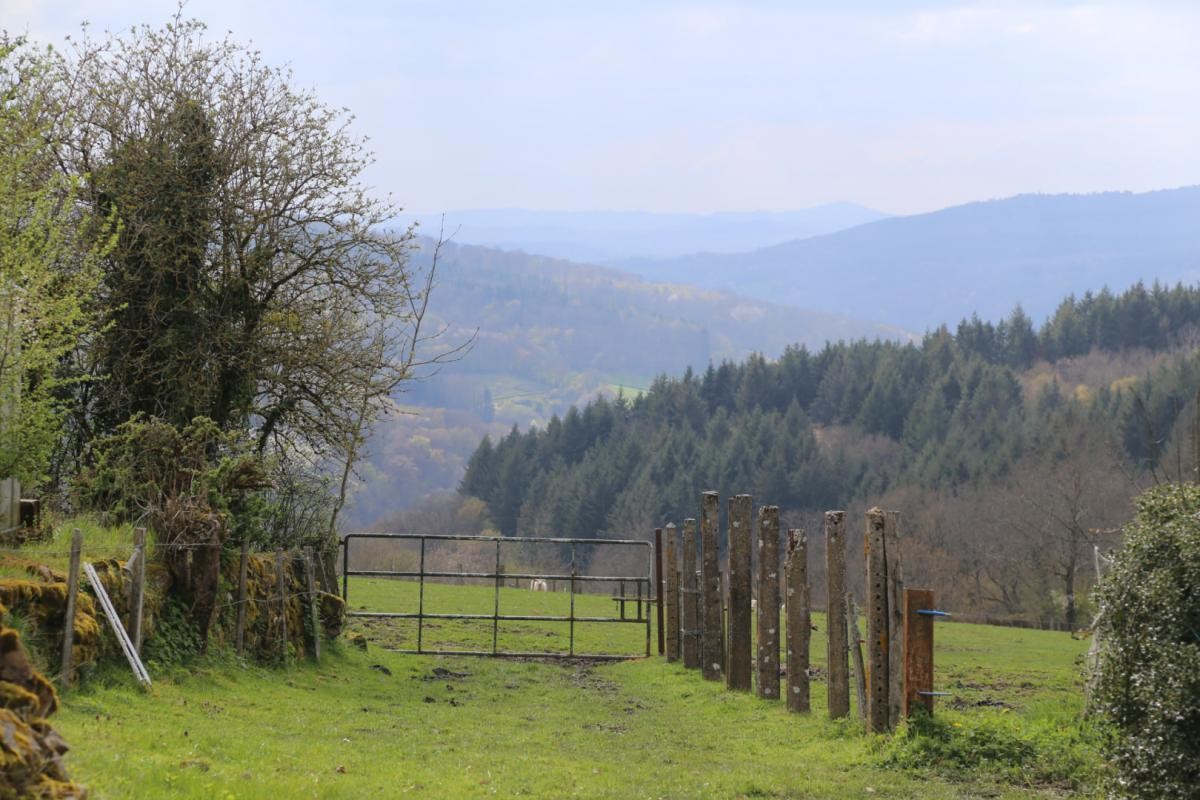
(378, 723)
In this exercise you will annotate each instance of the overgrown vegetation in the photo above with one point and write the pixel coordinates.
(1148, 674)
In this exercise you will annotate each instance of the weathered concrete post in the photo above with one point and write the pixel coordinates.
(690, 598)
(799, 620)
(837, 665)
(739, 676)
(768, 603)
(878, 619)
(895, 579)
(918, 651)
(710, 663)
(672, 592)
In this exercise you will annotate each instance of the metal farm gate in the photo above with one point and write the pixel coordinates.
(641, 583)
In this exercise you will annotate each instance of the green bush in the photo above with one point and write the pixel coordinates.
(1147, 685)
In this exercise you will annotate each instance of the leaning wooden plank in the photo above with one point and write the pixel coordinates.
(139, 670)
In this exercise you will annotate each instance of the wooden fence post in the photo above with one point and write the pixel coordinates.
(672, 590)
(690, 598)
(710, 643)
(799, 620)
(768, 603)
(314, 602)
(878, 620)
(282, 589)
(137, 588)
(836, 664)
(660, 589)
(739, 676)
(860, 675)
(243, 566)
(68, 654)
(918, 651)
(895, 579)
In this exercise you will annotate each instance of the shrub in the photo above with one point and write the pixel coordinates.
(1147, 685)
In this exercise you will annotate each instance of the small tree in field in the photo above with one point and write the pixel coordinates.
(1148, 673)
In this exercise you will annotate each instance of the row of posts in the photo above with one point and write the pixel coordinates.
(897, 673)
(131, 627)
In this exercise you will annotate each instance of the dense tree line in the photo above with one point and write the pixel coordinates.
(953, 413)
(186, 241)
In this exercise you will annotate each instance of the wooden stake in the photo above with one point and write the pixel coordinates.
(672, 565)
(799, 621)
(282, 588)
(690, 598)
(860, 675)
(768, 603)
(739, 676)
(314, 602)
(710, 643)
(918, 651)
(877, 623)
(243, 566)
(137, 588)
(836, 664)
(659, 591)
(68, 654)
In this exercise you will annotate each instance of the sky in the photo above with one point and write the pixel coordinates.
(704, 107)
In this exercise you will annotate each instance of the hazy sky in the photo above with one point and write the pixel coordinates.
(719, 107)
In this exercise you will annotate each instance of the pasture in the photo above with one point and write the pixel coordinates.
(378, 723)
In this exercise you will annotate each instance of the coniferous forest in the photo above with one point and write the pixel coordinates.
(1011, 449)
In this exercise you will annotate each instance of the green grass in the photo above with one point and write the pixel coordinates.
(377, 594)
(99, 542)
(383, 724)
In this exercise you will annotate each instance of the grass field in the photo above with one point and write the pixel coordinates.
(382, 724)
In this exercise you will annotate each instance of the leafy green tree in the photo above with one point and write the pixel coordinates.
(47, 279)
(257, 281)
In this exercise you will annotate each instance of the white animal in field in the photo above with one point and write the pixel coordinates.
(538, 585)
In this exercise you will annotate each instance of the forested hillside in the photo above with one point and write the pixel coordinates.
(1010, 449)
(550, 334)
(919, 271)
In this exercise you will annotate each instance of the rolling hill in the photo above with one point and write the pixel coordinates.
(919, 271)
(611, 237)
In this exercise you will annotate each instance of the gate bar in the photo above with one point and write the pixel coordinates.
(496, 610)
(365, 573)
(643, 616)
(421, 598)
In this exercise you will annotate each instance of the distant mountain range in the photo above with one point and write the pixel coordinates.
(923, 270)
(614, 237)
